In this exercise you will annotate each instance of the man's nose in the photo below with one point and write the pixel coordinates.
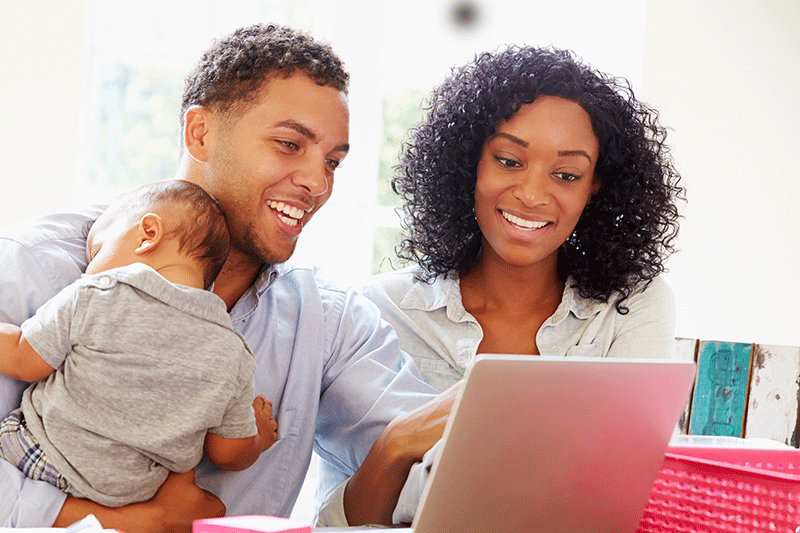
(313, 177)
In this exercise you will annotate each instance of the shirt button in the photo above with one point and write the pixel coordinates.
(104, 281)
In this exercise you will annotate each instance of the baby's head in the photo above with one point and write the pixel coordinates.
(172, 216)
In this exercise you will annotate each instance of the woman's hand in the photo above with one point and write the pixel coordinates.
(174, 507)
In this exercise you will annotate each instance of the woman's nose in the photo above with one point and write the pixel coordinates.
(533, 188)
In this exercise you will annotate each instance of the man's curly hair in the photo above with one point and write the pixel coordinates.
(230, 74)
(625, 233)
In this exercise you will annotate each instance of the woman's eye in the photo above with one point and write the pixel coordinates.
(567, 176)
(506, 162)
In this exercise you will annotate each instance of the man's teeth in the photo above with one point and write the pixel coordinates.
(521, 222)
(289, 214)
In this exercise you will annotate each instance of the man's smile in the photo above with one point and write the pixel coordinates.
(289, 214)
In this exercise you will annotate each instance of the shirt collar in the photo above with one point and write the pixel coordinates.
(267, 276)
(442, 292)
(446, 292)
(572, 302)
(248, 302)
(197, 302)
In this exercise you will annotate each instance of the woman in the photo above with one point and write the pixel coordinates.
(540, 206)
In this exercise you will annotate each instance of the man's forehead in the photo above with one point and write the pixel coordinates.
(299, 96)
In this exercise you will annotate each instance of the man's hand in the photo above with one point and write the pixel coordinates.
(173, 509)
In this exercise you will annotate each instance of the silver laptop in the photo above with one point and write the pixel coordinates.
(538, 444)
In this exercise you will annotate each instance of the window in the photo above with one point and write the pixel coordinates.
(139, 54)
(395, 51)
(403, 107)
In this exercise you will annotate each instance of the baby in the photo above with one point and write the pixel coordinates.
(137, 367)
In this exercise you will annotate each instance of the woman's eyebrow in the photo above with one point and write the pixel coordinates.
(562, 153)
(571, 153)
(513, 138)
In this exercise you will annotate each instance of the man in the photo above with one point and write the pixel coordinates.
(265, 124)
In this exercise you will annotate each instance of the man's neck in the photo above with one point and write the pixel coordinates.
(236, 276)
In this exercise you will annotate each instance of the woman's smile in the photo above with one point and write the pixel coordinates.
(535, 176)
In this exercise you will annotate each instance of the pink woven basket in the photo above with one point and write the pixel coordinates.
(725, 489)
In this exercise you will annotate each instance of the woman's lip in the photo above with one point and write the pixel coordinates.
(523, 223)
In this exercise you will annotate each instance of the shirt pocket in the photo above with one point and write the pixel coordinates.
(289, 421)
(438, 373)
(586, 350)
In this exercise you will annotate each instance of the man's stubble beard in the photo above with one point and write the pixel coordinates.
(252, 245)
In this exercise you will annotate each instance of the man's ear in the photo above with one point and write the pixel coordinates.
(197, 132)
(150, 233)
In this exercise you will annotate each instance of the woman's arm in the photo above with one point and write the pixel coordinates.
(18, 359)
(173, 509)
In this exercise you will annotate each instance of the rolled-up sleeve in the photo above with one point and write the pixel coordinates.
(367, 382)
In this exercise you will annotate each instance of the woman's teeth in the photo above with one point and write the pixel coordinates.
(289, 214)
(522, 223)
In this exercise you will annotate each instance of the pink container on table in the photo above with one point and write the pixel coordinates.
(716, 489)
(250, 524)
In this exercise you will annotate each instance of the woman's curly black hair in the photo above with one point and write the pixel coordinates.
(624, 234)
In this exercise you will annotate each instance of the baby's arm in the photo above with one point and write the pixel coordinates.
(238, 454)
(18, 359)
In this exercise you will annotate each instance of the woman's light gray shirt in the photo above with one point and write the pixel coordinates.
(443, 338)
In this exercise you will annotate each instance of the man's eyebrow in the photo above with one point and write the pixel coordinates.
(299, 128)
(307, 133)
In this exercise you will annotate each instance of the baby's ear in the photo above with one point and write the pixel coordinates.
(150, 232)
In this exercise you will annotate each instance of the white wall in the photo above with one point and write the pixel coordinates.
(41, 49)
(725, 75)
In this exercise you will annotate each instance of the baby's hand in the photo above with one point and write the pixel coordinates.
(267, 426)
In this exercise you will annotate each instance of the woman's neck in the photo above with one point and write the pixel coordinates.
(496, 284)
(510, 303)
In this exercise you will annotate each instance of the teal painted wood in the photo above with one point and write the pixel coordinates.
(720, 393)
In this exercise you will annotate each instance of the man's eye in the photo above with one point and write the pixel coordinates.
(292, 146)
(333, 163)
